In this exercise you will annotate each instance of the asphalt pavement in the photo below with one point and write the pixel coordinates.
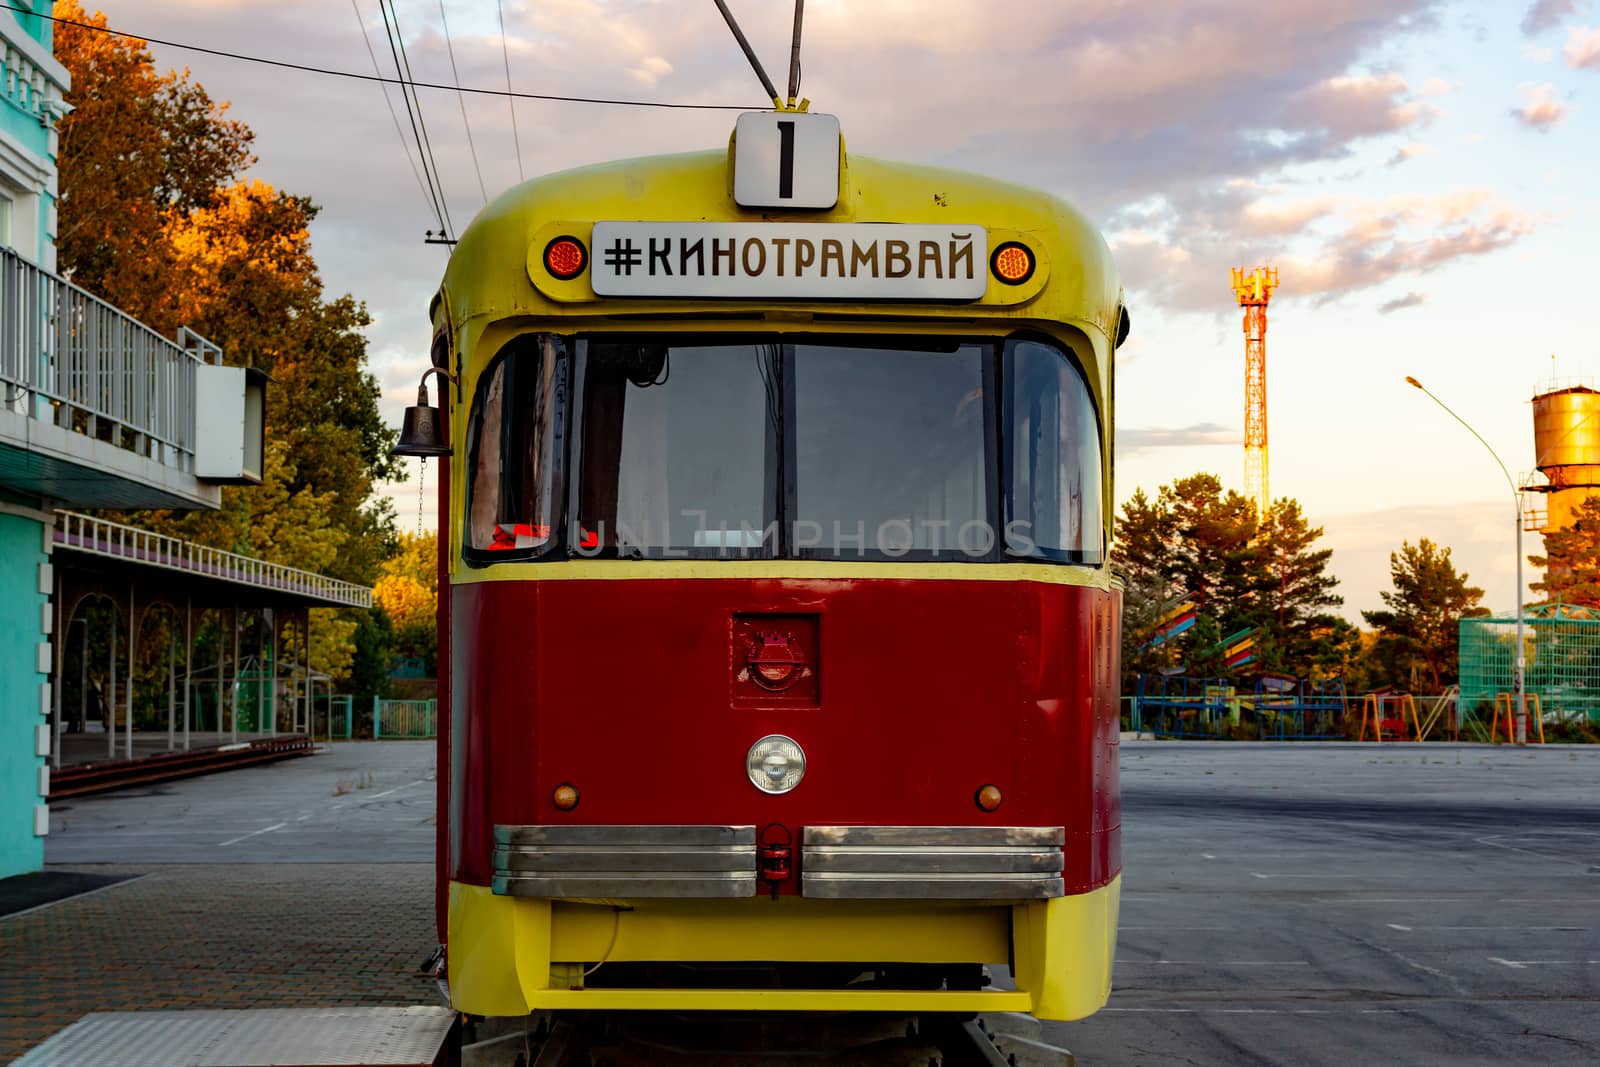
(352, 802)
(1339, 904)
(1295, 904)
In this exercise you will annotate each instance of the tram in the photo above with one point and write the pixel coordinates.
(783, 648)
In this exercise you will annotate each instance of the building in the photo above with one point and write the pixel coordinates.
(96, 411)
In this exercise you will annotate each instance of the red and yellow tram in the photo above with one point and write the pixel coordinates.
(783, 649)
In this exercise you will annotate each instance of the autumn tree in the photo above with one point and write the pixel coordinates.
(136, 147)
(1417, 630)
(157, 216)
(408, 592)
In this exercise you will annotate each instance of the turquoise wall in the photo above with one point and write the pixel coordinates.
(37, 28)
(19, 110)
(21, 608)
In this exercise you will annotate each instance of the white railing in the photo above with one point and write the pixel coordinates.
(72, 359)
(82, 533)
(24, 85)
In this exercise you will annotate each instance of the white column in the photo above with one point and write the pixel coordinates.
(188, 667)
(233, 690)
(111, 689)
(172, 686)
(133, 648)
(272, 697)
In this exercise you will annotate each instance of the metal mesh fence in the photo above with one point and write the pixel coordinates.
(1562, 646)
(404, 718)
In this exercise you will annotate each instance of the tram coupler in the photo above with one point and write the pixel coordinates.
(777, 856)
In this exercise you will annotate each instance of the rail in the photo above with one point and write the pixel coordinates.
(117, 774)
(68, 357)
(84, 533)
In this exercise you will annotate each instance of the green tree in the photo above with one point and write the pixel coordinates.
(1572, 558)
(1200, 542)
(1296, 591)
(373, 647)
(1140, 559)
(1416, 643)
(1209, 541)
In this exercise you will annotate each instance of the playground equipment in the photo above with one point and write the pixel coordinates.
(1375, 708)
(1504, 705)
(1276, 708)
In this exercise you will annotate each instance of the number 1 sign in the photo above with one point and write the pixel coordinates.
(786, 159)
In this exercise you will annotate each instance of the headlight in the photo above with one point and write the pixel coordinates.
(775, 764)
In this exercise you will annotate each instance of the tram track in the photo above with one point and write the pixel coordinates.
(601, 1040)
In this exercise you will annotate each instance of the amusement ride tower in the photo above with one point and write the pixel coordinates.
(1254, 291)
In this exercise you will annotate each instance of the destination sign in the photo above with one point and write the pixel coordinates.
(790, 261)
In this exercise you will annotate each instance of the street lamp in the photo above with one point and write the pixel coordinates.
(1518, 693)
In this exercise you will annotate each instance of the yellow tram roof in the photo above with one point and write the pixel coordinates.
(491, 272)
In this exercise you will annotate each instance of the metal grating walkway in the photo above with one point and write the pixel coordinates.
(268, 1037)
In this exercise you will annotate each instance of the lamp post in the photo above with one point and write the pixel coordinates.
(1517, 689)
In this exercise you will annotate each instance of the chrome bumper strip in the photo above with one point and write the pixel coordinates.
(932, 862)
(625, 861)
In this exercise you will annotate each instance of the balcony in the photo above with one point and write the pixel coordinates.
(96, 409)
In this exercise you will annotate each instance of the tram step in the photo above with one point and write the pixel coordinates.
(279, 1037)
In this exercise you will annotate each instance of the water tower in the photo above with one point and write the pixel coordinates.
(1566, 449)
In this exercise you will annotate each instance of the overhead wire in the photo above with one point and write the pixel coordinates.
(329, 72)
(461, 98)
(419, 129)
(511, 101)
(404, 147)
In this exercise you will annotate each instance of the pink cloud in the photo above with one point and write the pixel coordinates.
(1540, 108)
(1345, 245)
(1583, 48)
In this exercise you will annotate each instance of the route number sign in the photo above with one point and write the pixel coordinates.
(786, 159)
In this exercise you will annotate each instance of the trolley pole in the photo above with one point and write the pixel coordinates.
(1519, 664)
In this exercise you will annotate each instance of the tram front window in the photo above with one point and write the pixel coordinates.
(851, 449)
(678, 449)
(891, 452)
(512, 440)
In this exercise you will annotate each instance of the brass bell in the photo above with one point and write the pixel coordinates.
(419, 429)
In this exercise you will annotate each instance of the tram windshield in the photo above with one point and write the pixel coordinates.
(848, 449)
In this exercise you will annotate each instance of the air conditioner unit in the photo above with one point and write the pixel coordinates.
(230, 424)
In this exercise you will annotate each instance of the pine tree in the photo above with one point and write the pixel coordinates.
(1572, 559)
(1296, 592)
(1417, 633)
(1201, 542)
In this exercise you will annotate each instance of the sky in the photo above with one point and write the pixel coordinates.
(1421, 172)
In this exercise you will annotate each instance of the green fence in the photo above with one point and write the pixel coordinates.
(1561, 644)
(341, 716)
(414, 719)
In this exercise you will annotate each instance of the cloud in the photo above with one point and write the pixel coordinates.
(1130, 440)
(1410, 151)
(651, 70)
(1583, 48)
(1162, 116)
(1345, 244)
(1546, 13)
(1400, 303)
(1348, 108)
(1540, 109)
